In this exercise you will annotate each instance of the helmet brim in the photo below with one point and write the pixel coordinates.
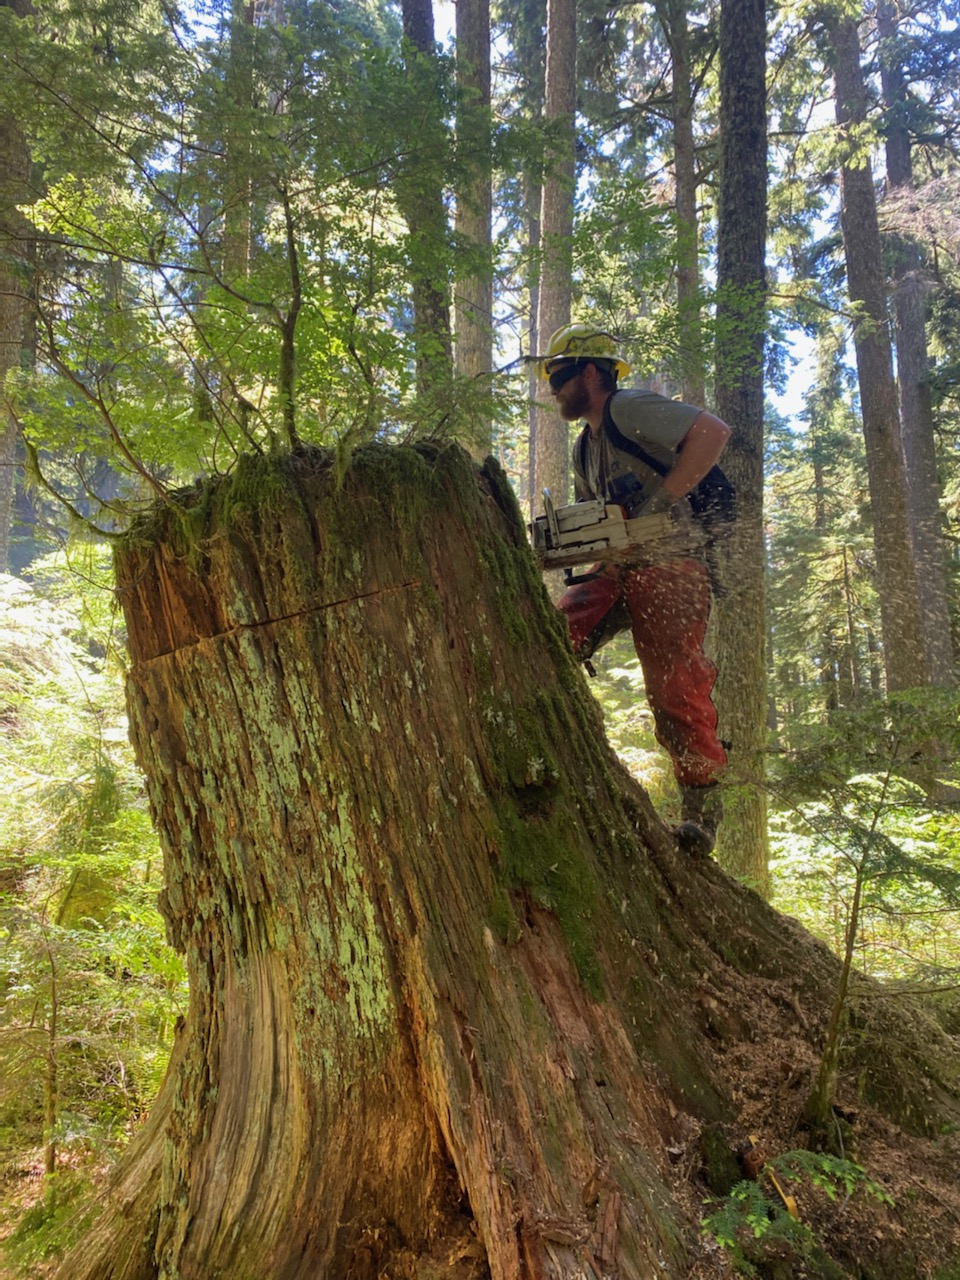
(618, 367)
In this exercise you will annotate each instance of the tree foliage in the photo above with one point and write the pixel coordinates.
(89, 989)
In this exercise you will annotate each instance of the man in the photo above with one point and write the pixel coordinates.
(646, 452)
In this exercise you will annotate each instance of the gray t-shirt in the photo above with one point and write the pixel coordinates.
(653, 421)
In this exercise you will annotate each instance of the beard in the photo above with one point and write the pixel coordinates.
(573, 401)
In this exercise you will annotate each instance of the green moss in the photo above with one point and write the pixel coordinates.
(502, 491)
(673, 1049)
(258, 486)
(457, 471)
(721, 1170)
(388, 489)
(404, 480)
(502, 917)
(481, 659)
(524, 755)
(512, 594)
(536, 856)
(539, 815)
(563, 718)
(260, 489)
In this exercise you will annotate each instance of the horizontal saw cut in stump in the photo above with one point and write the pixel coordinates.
(446, 967)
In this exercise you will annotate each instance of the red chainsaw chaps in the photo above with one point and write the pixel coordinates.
(669, 606)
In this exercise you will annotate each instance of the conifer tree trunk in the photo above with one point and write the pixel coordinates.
(673, 19)
(531, 61)
(474, 293)
(420, 198)
(916, 407)
(453, 993)
(741, 627)
(532, 196)
(552, 444)
(14, 260)
(237, 146)
(905, 658)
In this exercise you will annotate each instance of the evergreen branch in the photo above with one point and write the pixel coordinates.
(812, 300)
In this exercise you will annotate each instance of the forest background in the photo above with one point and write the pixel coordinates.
(243, 228)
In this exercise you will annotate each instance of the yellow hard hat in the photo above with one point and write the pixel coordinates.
(581, 342)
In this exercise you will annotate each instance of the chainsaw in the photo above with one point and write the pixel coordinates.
(598, 531)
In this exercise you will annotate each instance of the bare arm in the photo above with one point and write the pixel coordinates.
(697, 452)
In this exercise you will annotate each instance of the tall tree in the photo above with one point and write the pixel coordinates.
(523, 74)
(905, 657)
(551, 444)
(237, 143)
(741, 329)
(913, 366)
(821, 578)
(14, 291)
(473, 315)
(691, 364)
(420, 197)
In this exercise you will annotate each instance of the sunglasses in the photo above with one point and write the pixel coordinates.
(563, 373)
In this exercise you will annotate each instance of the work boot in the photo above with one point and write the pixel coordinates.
(701, 809)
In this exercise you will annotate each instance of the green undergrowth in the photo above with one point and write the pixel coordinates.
(864, 799)
(756, 1226)
(619, 689)
(846, 804)
(89, 990)
(52, 1224)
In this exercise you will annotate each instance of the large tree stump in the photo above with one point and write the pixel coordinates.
(453, 992)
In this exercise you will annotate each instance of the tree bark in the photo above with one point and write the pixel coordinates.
(420, 198)
(905, 658)
(740, 625)
(916, 407)
(473, 313)
(238, 146)
(673, 19)
(552, 445)
(453, 992)
(14, 291)
(532, 200)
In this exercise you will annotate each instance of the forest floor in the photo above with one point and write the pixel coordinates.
(22, 1206)
(916, 1234)
(20, 1189)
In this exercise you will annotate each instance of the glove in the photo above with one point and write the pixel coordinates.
(658, 503)
(684, 530)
